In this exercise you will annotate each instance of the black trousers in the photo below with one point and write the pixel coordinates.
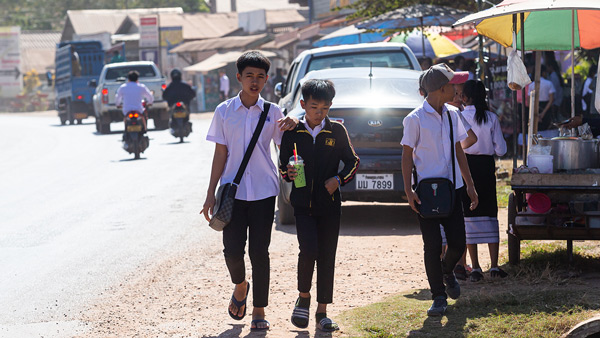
(253, 220)
(454, 227)
(318, 238)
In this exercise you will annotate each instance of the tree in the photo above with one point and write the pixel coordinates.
(371, 8)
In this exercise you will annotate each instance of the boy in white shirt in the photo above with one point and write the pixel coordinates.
(231, 129)
(426, 147)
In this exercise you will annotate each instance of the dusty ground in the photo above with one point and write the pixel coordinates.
(186, 294)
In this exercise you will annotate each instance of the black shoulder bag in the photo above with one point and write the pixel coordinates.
(437, 194)
(223, 209)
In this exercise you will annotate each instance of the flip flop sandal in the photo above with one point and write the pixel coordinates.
(300, 314)
(255, 322)
(327, 325)
(239, 304)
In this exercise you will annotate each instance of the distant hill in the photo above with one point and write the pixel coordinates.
(50, 15)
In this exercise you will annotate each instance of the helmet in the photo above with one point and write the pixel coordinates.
(176, 75)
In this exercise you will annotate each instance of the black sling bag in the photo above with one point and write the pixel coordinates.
(437, 194)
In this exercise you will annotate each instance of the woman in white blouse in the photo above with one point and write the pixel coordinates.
(481, 224)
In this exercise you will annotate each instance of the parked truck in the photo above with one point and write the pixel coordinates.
(112, 77)
(77, 63)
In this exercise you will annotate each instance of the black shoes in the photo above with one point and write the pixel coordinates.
(438, 308)
(452, 287)
(476, 275)
(498, 273)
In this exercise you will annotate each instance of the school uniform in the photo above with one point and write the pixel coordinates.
(428, 134)
(233, 126)
(317, 212)
(481, 224)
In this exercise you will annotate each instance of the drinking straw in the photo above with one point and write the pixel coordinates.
(295, 153)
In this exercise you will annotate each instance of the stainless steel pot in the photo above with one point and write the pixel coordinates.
(573, 153)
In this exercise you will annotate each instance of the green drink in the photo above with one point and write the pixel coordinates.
(298, 164)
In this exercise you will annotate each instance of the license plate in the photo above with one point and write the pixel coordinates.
(79, 116)
(134, 128)
(179, 115)
(374, 182)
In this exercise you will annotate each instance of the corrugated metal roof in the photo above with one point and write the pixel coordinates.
(227, 42)
(201, 25)
(39, 39)
(92, 21)
(251, 5)
(219, 60)
(284, 17)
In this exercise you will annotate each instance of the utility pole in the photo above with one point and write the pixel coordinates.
(481, 61)
(233, 5)
(213, 6)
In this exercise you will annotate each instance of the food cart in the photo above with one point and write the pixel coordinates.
(573, 195)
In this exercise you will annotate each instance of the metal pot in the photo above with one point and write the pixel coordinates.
(573, 152)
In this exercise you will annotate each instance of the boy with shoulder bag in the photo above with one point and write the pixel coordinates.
(431, 146)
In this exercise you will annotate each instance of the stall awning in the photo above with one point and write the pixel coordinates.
(218, 61)
(226, 42)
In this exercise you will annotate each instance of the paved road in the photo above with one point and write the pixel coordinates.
(77, 213)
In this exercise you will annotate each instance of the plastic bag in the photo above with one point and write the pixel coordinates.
(585, 132)
(517, 77)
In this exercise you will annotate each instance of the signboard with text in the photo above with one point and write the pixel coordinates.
(171, 37)
(11, 82)
(149, 31)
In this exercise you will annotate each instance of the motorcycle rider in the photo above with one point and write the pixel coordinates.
(130, 96)
(178, 91)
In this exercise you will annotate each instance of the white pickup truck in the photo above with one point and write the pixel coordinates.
(112, 77)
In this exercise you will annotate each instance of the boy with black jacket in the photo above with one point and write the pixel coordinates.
(322, 144)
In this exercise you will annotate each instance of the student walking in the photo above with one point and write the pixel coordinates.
(322, 144)
(481, 224)
(232, 127)
(427, 149)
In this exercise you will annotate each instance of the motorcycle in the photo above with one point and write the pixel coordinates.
(134, 140)
(180, 125)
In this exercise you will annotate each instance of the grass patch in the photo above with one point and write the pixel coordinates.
(502, 192)
(542, 298)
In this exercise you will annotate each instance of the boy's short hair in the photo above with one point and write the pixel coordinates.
(253, 58)
(133, 75)
(318, 89)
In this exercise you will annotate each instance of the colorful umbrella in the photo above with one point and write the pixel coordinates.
(347, 36)
(548, 23)
(419, 15)
(436, 45)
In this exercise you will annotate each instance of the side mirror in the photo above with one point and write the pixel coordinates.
(277, 89)
(93, 83)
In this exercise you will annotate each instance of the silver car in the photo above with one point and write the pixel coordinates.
(371, 103)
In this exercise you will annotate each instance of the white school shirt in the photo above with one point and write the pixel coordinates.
(130, 94)
(546, 88)
(233, 126)
(313, 132)
(428, 134)
(490, 140)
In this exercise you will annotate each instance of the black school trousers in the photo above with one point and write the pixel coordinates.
(318, 239)
(454, 228)
(252, 220)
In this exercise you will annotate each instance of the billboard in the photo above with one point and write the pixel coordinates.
(148, 31)
(11, 79)
(171, 37)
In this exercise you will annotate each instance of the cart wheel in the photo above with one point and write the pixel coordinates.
(514, 244)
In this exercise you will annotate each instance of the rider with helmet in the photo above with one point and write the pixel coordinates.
(178, 91)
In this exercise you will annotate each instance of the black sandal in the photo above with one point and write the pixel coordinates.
(239, 304)
(300, 315)
(327, 325)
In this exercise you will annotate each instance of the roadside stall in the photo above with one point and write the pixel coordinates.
(557, 192)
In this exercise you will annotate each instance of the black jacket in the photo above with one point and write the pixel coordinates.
(321, 162)
(178, 91)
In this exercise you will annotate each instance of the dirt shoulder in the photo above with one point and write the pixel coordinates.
(186, 294)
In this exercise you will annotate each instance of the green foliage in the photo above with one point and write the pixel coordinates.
(38, 15)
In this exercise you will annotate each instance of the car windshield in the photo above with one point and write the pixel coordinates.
(385, 58)
(117, 72)
(378, 92)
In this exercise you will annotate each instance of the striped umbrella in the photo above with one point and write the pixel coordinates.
(436, 45)
(549, 24)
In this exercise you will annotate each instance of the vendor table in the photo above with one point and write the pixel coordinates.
(566, 225)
